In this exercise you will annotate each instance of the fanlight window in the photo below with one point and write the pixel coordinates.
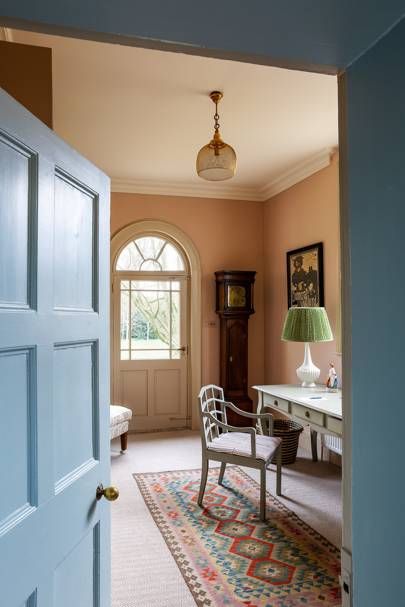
(150, 254)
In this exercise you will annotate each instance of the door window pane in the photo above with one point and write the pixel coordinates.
(150, 265)
(175, 318)
(170, 259)
(150, 320)
(150, 254)
(124, 327)
(130, 258)
(150, 247)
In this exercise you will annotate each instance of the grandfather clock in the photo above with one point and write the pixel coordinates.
(234, 305)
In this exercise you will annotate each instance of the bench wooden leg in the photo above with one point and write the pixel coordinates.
(124, 441)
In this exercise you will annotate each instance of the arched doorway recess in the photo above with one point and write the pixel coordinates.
(171, 259)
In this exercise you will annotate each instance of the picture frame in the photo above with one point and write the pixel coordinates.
(305, 285)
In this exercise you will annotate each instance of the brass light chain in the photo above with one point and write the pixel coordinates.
(216, 117)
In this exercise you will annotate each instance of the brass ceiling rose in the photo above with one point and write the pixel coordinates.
(216, 161)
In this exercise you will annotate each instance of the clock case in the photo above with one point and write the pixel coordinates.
(234, 317)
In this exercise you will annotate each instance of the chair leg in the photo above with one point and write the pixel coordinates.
(204, 473)
(124, 441)
(221, 473)
(263, 493)
(278, 478)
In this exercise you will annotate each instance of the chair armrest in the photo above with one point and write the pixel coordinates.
(241, 412)
(246, 429)
(258, 416)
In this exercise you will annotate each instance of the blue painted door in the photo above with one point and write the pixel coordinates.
(54, 386)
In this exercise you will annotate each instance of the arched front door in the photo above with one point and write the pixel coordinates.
(150, 332)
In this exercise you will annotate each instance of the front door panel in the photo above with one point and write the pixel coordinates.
(150, 353)
(54, 388)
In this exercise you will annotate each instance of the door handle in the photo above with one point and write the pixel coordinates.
(110, 493)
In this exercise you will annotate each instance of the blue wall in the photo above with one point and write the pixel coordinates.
(376, 194)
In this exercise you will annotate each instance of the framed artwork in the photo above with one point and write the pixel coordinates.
(305, 276)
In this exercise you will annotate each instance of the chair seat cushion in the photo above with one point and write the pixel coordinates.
(119, 414)
(239, 443)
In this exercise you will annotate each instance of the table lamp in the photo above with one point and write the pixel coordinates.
(307, 325)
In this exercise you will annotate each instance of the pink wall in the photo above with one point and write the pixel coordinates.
(304, 214)
(241, 235)
(228, 235)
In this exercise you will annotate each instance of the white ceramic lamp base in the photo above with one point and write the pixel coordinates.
(308, 373)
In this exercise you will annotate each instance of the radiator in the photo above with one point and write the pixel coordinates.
(333, 443)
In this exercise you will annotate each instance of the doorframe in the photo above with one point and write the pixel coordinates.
(190, 252)
(344, 230)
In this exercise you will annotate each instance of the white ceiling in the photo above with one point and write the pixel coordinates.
(142, 115)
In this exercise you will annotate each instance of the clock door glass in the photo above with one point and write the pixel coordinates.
(236, 296)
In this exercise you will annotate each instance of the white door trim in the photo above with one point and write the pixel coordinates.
(151, 226)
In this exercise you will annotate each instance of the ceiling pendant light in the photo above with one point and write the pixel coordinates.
(216, 161)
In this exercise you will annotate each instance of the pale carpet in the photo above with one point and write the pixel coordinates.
(144, 573)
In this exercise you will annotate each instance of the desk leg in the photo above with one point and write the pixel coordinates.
(259, 427)
(314, 445)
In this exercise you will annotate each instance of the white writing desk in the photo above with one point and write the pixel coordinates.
(320, 409)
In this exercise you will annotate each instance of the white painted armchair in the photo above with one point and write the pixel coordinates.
(233, 445)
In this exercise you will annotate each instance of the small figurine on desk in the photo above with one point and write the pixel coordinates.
(332, 381)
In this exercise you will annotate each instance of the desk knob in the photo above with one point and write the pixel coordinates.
(307, 414)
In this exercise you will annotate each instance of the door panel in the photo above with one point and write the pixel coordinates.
(75, 579)
(75, 411)
(54, 397)
(135, 382)
(18, 419)
(167, 395)
(75, 236)
(150, 349)
(18, 169)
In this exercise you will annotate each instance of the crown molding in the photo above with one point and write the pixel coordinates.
(298, 173)
(220, 190)
(6, 34)
(170, 188)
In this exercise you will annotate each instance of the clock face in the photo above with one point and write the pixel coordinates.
(236, 296)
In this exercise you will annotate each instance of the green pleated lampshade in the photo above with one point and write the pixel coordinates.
(307, 324)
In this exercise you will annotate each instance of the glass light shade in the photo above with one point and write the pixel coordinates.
(216, 166)
(307, 325)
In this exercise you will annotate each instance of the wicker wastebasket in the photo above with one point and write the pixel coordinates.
(289, 431)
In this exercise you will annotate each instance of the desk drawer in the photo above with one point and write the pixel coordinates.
(277, 403)
(316, 417)
(334, 424)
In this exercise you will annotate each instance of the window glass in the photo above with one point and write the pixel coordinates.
(150, 254)
(150, 319)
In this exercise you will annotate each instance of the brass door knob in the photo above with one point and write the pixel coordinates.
(110, 493)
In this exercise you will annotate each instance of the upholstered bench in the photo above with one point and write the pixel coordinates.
(119, 422)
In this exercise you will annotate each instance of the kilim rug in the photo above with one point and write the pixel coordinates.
(227, 556)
